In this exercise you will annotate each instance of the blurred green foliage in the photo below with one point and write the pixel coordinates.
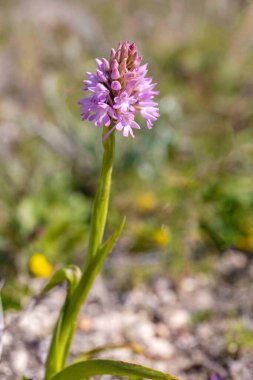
(196, 163)
(238, 338)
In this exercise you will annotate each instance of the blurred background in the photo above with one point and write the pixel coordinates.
(186, 187)
(183, 268)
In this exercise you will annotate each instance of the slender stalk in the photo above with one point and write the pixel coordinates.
(66, 325)
(100, 208)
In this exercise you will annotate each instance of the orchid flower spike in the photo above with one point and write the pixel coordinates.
(119, 91)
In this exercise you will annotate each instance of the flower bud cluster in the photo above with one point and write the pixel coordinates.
(119, 91)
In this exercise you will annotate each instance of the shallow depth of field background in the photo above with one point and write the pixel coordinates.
(186, 187)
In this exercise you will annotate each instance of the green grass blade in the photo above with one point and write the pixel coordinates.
(89, 368)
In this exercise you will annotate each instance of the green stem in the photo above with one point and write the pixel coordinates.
(100, 208)
(66, 325)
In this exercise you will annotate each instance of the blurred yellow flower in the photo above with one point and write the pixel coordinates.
(146, 202)
(246, 243)
(40, 266)
(162, 236)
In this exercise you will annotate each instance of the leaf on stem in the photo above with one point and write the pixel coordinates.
(96, 367)
(71, 274)
(92, 353)
(106, 248)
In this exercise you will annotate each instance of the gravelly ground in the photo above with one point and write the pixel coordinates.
(189, 329)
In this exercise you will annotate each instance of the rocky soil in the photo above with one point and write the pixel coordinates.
(200, 328)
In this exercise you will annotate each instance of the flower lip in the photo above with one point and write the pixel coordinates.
(119, 91)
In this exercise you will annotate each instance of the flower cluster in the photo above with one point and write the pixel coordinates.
(119, 91)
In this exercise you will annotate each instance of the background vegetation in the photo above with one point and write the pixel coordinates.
(186, 187)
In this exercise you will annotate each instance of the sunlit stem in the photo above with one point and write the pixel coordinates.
(100, 208)
(65, 328)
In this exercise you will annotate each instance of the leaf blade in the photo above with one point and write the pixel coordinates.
(106, 248)
(96, 367)
(92, 353)
(71, 274)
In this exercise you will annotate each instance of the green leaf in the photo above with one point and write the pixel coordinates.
(90, 368)
(106, 248)
(92, 353)
(71, 274)
(69, 314)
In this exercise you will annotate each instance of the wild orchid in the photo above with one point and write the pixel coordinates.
(119, 91)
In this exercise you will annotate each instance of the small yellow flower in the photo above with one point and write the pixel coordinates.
(246, 243)
(40, 266)
(162, 236)
(146, 202)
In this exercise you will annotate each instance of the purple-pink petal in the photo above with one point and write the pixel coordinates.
(120, 90)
